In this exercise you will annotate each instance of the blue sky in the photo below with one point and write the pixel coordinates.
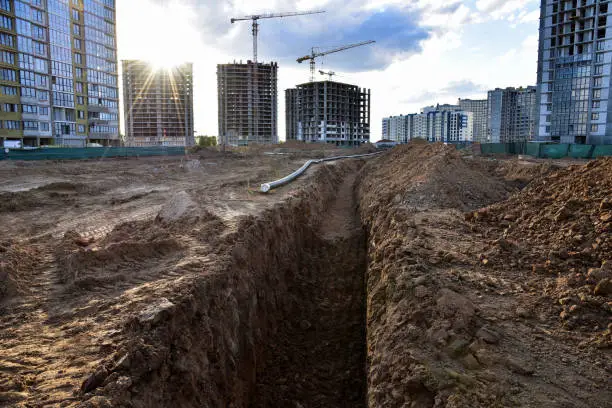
(426, 51)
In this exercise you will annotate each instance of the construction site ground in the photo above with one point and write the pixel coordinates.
(424, 277)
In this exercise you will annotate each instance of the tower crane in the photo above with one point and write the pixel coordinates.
(313, 55)
(257, 17)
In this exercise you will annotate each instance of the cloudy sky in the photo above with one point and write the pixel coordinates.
(426, 51)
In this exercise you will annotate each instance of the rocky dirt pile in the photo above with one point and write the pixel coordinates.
(17, 262)
(445, 328)
(420, 176)
(560, 226)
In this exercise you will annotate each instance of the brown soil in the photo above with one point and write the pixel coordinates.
(451, 324)
(170, 282)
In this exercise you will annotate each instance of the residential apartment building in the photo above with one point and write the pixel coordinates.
(511, 114)
(248, 103)
(329, 112)
(574, 64)
(478, 107)
(385, 129)
(158, 104)
(397, 128)
(445, 125)
(58, 72)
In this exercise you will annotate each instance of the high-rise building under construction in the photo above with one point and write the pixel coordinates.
(248, 103)
(158, 104)
(328, 112)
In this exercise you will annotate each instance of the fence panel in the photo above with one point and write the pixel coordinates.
(580, 151)
(533, 149)
(602, 151)
(554, 151)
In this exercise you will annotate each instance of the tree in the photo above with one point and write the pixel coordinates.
(206, 141)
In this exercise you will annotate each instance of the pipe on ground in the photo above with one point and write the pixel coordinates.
(265, 187)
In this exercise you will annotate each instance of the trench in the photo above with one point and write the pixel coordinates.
(317, 358)
(279, 323)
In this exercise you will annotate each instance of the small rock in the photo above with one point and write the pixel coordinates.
(487, 335)
(94, 380)
(470, 362)
(155, 312)
(523, 312)
(603, 288)
(420, 280)
(519, 366)
(458, 347)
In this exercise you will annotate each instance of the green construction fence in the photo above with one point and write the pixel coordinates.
(547, 150)
(90, 153)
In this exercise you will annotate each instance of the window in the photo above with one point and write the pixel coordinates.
(597, 94)
(596, 104)
(600, 58)
(77, 44)
(29, 109)
(597, 81)
(81, 100)
(43, 110)
(7, 40)
(598, 69)
(78, 58)
(81, 128)
(44, 126)
(594, 127)
(5, 5)
(7, 57)
(10, 107)
(81, 114)
(6, 22)
(30, 125)
(79, 87)
(78, 73)
(75, 14)
(595, 116)
(8, 75)
(42, 95)
(28, 92)
(12, 124)
(8, 90)
(76, 29)
(39, 33)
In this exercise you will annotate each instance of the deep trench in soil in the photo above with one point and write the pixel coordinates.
(317, 358)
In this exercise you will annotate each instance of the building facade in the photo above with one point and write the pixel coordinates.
(511, 114)
(158, 104)
(396, 128)
(330, 112)
(248, 103)
(385, 129)
(574, 63)
(58, 72)
(445, 125)
(478, 107)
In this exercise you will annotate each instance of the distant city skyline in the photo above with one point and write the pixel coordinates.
(427, 52)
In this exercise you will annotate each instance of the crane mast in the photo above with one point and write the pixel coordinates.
(314, 55)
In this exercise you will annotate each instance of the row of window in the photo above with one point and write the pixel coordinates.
(31, 30)
(31, 109)
(26, 12)
(25, 125)
(7, 40)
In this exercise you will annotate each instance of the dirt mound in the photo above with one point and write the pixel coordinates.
(424, 176)
(17, 262)
(84, 262)
(450, 324)
(560, 227)
(59, 193)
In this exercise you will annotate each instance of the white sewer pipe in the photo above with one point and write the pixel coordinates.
(265, 187)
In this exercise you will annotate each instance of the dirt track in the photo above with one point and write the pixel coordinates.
(380, 283)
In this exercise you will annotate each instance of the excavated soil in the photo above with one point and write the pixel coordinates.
(459, 313)
(422, 278)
